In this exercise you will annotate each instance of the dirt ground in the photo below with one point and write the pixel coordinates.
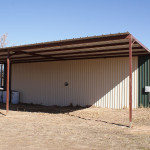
(55, 128)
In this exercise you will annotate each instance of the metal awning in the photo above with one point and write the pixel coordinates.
(105, 46)
(112, 45)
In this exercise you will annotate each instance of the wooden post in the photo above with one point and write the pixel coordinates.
(7, 95)
(130, 81)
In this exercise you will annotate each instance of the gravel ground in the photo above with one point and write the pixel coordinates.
(44, 128)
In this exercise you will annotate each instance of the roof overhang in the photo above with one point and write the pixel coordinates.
(105, 46)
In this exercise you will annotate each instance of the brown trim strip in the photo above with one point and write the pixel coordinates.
(71, 42)
(81, 47)
(78, 57)
(46, 60)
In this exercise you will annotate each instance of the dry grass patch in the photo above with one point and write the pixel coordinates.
(73, 128)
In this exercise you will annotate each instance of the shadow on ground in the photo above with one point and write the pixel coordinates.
(54, 110)
(42, 109)
(98, 120)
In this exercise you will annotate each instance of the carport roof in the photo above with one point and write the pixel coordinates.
(104, 46)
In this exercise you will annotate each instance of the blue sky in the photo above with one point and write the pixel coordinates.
(32, 21)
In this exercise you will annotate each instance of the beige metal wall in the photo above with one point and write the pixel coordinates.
(98, 82)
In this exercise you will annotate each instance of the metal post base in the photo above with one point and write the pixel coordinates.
(131, 126)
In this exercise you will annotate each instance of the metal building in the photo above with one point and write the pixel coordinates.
(98, 82)
(108, 71)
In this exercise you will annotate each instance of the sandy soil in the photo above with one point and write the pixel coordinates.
(43, 128)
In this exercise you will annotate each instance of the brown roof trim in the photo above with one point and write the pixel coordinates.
(76, 52)
(37, 58)
(81, 47)
(96, 57)
(140, 44)
(112, 45)
(68, 42)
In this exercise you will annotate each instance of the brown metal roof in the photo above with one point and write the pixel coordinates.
(112, 45)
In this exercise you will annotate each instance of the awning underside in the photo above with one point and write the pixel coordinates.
(105, 46)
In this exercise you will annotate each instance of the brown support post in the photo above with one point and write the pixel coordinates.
(130, 80)
(1, 75)
(7, 96)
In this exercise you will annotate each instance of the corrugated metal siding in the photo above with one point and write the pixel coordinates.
(98, 82)
(144, 79)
